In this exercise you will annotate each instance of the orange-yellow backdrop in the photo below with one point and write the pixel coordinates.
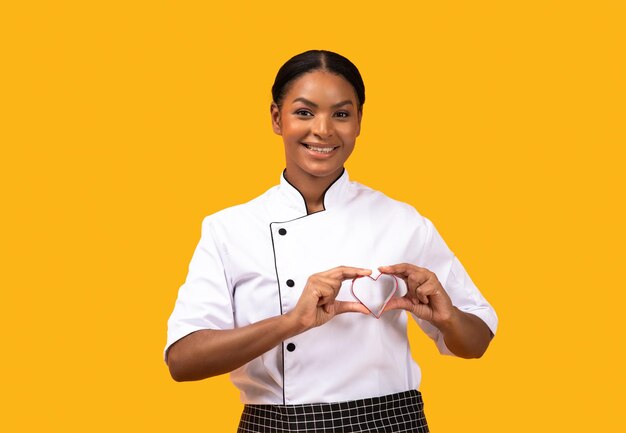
(124, 123)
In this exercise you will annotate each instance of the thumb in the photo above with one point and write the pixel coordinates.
(350, 307)
(399, 303)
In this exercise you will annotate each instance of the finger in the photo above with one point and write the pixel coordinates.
(350, 307)
(421, 296)
(343, 273)
(402, 270)
(328, 308)
(417, 278)
(426, 290)
(399, 303)
(333, 283)
(321, 287)
(326, 289)
(421, 311)
(325, 294)
(412, 275)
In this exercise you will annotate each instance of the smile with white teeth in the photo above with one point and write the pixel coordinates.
(319, 149)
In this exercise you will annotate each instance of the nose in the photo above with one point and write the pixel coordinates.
(322, 127)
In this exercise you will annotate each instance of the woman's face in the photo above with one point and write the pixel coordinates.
(319, 121)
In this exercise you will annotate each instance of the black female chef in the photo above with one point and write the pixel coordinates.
(267, 297)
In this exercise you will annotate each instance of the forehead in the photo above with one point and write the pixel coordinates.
(321, 87)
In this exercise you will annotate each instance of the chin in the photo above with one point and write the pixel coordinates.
(324, 171)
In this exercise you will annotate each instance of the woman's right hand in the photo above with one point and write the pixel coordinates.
(317, 304)
(210, 352)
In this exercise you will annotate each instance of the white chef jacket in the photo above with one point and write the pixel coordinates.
(254, 259)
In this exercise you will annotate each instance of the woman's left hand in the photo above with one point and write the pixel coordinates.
(465, 334)
(425, 296)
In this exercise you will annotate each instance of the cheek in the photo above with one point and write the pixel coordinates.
(349, 131)
(292, 129)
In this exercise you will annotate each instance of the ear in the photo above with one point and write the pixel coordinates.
(358, 131)
(275, 113)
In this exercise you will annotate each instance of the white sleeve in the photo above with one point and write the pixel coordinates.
(437, 257)
(204, 300)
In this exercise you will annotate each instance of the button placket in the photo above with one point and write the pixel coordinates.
(284, 266)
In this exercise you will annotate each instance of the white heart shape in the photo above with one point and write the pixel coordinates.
(374, 293)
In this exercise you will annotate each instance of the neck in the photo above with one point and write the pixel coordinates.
(313, 188)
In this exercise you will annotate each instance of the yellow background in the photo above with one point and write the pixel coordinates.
(122, 124)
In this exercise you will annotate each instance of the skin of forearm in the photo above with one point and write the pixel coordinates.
(208, 353)
(465, 334)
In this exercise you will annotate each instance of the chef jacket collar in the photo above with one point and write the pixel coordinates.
(333, 196)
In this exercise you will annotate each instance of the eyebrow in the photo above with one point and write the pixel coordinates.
(313, 104)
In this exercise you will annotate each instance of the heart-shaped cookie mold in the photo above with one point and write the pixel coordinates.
(374, 293)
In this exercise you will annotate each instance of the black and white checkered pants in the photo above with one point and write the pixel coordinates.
(402, 412)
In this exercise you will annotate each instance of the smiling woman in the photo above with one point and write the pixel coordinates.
(319, 120)
(267, 300)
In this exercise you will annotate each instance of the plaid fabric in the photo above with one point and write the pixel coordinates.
(402, 412)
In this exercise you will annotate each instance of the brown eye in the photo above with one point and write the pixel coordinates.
(304, 113)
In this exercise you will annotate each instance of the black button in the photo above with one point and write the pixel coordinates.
(290, 283)
(291, 347)
(282, 232)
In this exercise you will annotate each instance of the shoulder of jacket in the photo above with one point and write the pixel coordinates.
(379, 201)
(234, 214)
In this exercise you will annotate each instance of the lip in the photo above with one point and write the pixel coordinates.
(319, 145)
(330, 150)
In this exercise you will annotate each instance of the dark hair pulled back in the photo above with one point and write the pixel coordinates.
(317, 60)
